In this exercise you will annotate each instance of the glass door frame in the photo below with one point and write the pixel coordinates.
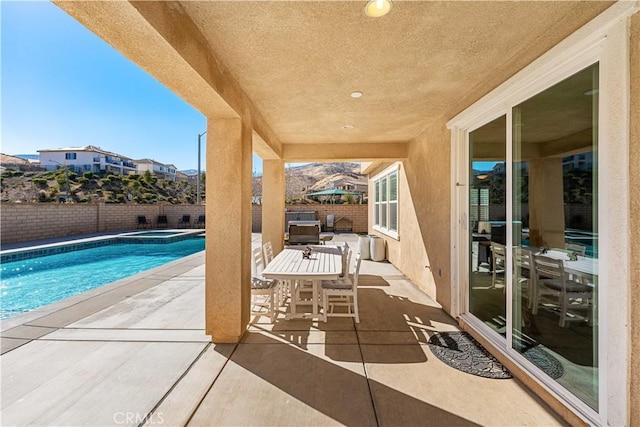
(605, 41)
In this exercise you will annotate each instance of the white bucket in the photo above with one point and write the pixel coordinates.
(377, 248)
(363, 247)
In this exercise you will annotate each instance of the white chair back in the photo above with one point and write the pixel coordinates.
(522, 258)
(257, 264)
(546, 268)
(268, 252)
(356, 272)
(346, 259)
(499, 254)
(576, 248)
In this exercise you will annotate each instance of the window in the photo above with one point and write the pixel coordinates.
(385, 209)
(70, 156)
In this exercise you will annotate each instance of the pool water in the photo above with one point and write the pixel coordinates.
(28, 284)
(155, 234)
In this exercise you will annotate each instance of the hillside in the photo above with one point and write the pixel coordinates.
(313, 177)
(47, 187)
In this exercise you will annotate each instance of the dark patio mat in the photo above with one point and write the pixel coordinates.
(461, 351)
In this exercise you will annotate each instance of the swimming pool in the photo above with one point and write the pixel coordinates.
(27, 284)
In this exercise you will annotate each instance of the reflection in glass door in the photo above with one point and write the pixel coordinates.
(555, 193)
(551, 264)
(487, 224)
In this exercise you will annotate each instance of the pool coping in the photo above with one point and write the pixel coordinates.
(65, 246)
(19, 330)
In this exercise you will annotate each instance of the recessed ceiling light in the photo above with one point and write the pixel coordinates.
(377, 8)
(347, 127)
(356, 94)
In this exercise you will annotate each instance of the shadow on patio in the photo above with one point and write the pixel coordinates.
(145, 359)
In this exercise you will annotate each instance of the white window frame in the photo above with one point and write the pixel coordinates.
(604, 40)
(380, 206)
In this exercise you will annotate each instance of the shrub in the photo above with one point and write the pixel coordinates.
(40, 182)
(88, 175)
(147, 177)
(43, 196)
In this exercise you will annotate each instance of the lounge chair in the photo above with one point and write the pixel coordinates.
(185, 222)
(143, 222)
(162, 221)
(200, 222)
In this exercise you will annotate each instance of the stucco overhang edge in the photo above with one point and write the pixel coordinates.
(362, 151)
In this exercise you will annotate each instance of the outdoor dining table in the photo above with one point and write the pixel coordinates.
(324, 263)
(584, 267)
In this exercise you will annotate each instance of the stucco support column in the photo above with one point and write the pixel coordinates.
(546, 203)
(228, 247)
(273, 203)
(634, 213)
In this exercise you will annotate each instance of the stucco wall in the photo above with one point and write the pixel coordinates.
(634, 199)
(422, 250)
(23, 222)
(356, 213)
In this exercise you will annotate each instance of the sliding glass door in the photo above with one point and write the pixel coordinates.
(533, 231)
(555, 167)
(487, 226)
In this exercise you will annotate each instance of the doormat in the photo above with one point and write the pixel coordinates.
(461, 351)
(545, 361)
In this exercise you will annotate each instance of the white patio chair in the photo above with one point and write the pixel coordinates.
(499, 254)
(524, 274)
(267, 249)
(576, 248)
(342, 293)
(283, 287)
(346, 259)
(264, 292)
(555, 287)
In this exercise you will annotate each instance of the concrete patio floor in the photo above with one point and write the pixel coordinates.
(135, 353)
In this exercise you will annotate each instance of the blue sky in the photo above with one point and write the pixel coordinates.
(63, 86)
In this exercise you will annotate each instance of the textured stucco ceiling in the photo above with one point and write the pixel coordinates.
(298, 62)
(288, 67)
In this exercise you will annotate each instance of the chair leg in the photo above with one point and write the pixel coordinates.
(273, 303)
(325, 305)
(563, 310)
(355, 306)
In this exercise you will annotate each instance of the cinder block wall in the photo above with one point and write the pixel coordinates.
(356, 213)
(174, 213)
(23, 222)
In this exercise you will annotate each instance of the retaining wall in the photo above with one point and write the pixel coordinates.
(23, 222)
(356, 213)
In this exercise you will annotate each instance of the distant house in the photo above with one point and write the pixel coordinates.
(86, 159)
(162, 170)
(16, 162)
(181, 176)
(348, 184)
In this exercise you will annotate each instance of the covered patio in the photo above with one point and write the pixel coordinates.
(137, 354)
(319, 81)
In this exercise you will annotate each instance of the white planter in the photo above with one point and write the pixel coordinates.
(376, 248)
(363, 247)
